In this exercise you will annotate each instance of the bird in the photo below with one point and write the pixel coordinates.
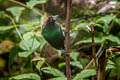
(53, 33)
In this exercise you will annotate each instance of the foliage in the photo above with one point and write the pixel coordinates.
(30, 56)
(27, 76)
(84, 74)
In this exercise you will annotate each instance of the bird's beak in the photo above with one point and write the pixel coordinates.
(55, 17)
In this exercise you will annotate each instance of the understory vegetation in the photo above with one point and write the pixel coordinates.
(26, 55)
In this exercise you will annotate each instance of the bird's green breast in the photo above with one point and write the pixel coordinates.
(54, 35)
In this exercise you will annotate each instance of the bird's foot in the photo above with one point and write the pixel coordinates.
(64, 53)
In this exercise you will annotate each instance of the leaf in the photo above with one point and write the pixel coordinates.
(73, 34)
(32, 44)
(38, 59)
(97, 40)
(27, 76)
(110, 62)
(16, 11)
(81, 25)
(53, 71)
(100, 40)
(60, 65)
(32, 3)
(3, 28)
(117, 20)
(77, 64)
(24, 54)
(112, 39)
(85, 74)
(74, 55)
(25, 28)
(2, 13)
(72, 63)
(110, 66)
(39, 63)
(41, 40)
(106, 20)
(58, 78)
(28, 35)
(84, 61)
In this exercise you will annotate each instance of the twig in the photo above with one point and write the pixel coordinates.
(93, 59)
(67, 57)
(26, 7)
(111, 25)
(93, 47)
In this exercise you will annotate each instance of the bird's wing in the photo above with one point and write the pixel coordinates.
(62, 30)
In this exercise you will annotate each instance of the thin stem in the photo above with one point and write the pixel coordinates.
(19, 34)
(67, 57)
(93, 47)
(17, 2)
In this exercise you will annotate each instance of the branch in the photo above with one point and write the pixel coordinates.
(17, 2)
(67, 57)
(93, 47)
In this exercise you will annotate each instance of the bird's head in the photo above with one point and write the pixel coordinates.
(52, 18)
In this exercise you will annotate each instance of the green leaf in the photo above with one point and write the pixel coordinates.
(112, 39)
(72, 63)
(77, 64)
(58, 78)
(32, 3)
(110, 66)
(110, 62)
(38, 59)
(53, 71)
(106, 20)
(2, 13)
(27, 76)
(117, 20)
(85, 74)
(89, 40)
(3, 28)
(32, 44)
(41, 40)
(60, 65)
(74, 55)
(84, 61)
(16, 11)
(39, 63)
(24, 54)
(100, 40)
(81, 25)
(28, 35)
